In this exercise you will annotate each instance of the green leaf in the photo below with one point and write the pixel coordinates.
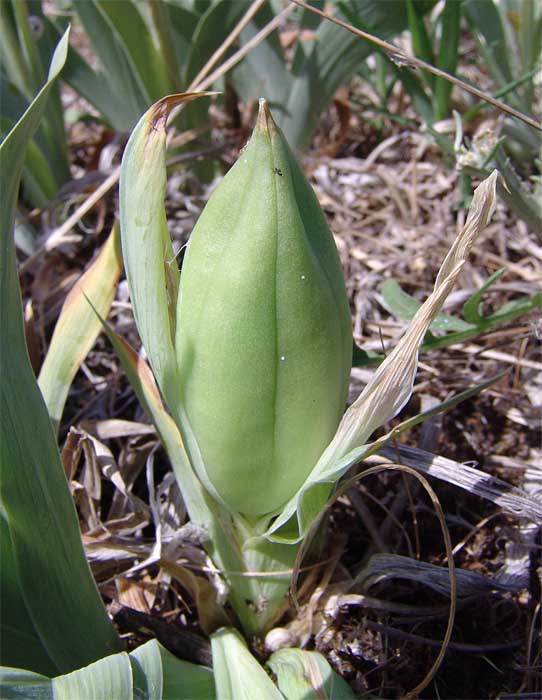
(470, 307)
(485, 20)
(334, 57)
(447, 56)
(171, 56)
(306, 675)
(183, 25)
(212, 29)
(20, 644)
(21, 73)
(129, 28)
(116, 107)
(118, 66)
(264, 72)
(110, 677)
(149, 260)
(237, 673)
(55, 580)
(414, 87)
(78, 326)
(421, 43)
(170, 678)
(19, 684)
(405, 306)
(149, 672)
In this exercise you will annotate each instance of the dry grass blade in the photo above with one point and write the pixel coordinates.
(401, 56)
(57, 237)
(382, 567)
(391, 386)
(242, 52)
(509, 498)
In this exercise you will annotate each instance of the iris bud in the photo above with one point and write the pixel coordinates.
(264, 336)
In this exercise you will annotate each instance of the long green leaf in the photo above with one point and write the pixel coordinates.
(115, 106)
(12, 59)
(117, 64)
(485, 19)
(471, 306)
(109, 678)
(23, 57)
(19, 684)
(137, 39)
(211, 31)
(149, 672)
(56, 583)
(20, 645)
(183, 25)
(421, 43)
(52, 135)
(264, 72)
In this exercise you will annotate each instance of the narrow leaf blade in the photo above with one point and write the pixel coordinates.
(149, 260)
(34, 493)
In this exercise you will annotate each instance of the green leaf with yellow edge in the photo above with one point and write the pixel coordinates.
(78, 326)
(54, 577)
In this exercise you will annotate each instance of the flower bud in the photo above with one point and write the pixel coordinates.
(264, 337)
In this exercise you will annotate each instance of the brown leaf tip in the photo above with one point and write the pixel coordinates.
(265, 121)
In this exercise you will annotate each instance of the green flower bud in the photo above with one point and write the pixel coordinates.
(264, 336)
